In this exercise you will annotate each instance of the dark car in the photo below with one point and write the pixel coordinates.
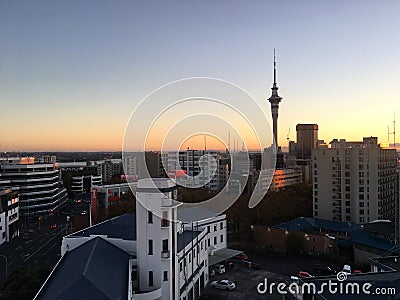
(322, 270)
(241, 256)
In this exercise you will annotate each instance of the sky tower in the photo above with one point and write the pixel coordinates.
(275, 100)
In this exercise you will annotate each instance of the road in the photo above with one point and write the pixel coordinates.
(40, 250)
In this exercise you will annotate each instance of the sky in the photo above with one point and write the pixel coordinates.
(72, 72)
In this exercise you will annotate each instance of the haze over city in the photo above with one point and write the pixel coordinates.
(72, 72)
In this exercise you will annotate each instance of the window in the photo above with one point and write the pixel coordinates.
(151, 278)
(165, 245)
(150, 247)
(221, 225)
(149, 217)
(361, 204)
(361, 211)
(347, 181)
(215, 227)
(222, 238)
(209, 243)
(215, 240)
(180, 267)
(164, 220)
(165, 276)
(208, 229)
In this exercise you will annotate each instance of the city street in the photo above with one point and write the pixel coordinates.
(37, 247)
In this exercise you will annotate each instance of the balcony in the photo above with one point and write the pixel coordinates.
(165, 254)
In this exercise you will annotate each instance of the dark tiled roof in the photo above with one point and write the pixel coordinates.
(95, 270)
(302, 223)
(123, 227)
(185, 238)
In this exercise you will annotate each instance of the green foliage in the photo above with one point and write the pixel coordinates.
(23, 283)
(295, 243)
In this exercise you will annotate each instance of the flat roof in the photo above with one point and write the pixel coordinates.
(185, 238)
(122, 227)
(190, 214)
(222, 255)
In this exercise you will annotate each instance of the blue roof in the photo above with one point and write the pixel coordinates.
(302, 223)
(364, 238)
(123, 227)
(95, 270)
(186, 238)
(357, 234)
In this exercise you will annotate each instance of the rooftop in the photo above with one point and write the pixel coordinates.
(122, 227)
(303, 223)
(190, 214)
(186, 238)
(95, 270)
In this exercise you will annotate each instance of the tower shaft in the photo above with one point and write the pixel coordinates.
(275, 99)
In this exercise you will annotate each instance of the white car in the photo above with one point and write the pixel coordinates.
(223, 285)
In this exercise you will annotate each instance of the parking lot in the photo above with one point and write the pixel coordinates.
(246, 280)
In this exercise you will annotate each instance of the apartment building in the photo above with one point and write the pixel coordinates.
(354, 181)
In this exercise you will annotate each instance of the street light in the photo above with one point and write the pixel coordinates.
(5, 258)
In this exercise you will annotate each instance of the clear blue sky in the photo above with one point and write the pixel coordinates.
(71, 71)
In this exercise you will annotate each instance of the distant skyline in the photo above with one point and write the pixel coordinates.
(71, 72)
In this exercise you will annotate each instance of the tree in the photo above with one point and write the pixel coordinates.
(23, 283)
(295, 243)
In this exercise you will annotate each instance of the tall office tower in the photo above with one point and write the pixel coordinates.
(275, 99)
(40, 188)
(354, 181)
(307, 139)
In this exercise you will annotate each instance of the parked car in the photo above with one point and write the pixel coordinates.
(346, 269)
(223, 285)
(303, 274)
(54, 226)
(322, 270)
(219, 269)
(241, 256)
(84, 212)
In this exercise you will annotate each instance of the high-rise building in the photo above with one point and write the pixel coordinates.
(354, 181)
(307, 139)
(200, 165)
(40, 187)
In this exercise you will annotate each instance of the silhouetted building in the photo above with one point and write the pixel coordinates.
(307, 139)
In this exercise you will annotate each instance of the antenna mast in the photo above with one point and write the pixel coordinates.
(394, 132)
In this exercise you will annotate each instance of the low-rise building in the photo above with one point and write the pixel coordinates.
(152, 255)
